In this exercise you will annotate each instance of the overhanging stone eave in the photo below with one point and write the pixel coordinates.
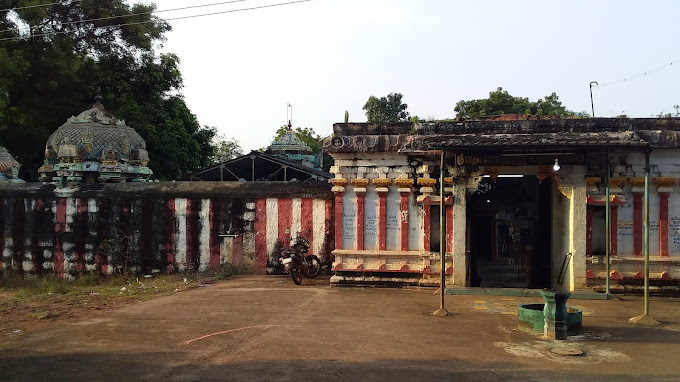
(529, 148)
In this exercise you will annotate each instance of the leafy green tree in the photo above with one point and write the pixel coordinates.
(55, 58)
(225, 148)
(501, 102)
(386, 109)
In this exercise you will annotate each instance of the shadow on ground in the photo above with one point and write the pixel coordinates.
(152, 366)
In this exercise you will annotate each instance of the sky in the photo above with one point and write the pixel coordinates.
(325, 57)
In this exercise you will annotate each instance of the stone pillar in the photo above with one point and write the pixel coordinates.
(591, 189)
(615, 192)
(614, 230)
(448, 189)
(426, 189)
(459, 245)
(638, 190)
(360, 189)
(338, 189)
(589, 231)
(381, 187)
(405, 185)
(665, 188)
(577, 228)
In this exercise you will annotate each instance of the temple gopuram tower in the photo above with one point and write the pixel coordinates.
(9, 167)
(290, 147)
(95, 147)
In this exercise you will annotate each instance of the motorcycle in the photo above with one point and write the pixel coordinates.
(297, 262)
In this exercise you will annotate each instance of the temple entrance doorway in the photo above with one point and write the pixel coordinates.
(510, 233)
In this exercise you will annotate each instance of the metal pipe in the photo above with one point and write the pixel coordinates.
(608, 223)
(592, 106)
(442, 229)
(645, 226)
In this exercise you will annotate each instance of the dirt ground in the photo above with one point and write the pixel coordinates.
(20, 317)
(265, 328)
(26, 309)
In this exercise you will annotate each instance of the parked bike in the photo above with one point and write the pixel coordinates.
(298, 262)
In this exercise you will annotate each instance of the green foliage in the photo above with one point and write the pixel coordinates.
(44, 314)
(501, 102)
(224, 272)
(117, 248)
(673, 114)
(386, 109)
(47, 78)
(225, 148)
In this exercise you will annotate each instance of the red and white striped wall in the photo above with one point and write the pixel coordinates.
(277, 221)
(63, 235)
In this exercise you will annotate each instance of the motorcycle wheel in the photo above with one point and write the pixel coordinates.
(312, 268)
(295, 275)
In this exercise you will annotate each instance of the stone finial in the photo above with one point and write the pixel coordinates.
(98, 98)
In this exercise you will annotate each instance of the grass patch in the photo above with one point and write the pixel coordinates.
(44, 314)
(95, 284)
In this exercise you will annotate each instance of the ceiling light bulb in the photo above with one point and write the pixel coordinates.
(556, 166)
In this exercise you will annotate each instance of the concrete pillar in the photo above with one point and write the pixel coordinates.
(460, 259)
(404, 185)
(665, 185)
(638, 191)
(577, 228)
(338, 189)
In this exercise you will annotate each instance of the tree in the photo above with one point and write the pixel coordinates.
(225, 148)
(386, 109)
(501, 102)
(59, 54)
(673, 114)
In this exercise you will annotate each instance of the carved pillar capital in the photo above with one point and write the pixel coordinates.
(664, 184)
(382, 184)
(338, 184)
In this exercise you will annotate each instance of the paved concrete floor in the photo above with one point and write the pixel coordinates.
(266, 328)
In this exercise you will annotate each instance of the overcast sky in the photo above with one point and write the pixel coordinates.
(323, 57)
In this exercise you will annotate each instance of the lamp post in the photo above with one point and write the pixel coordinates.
(592, 106)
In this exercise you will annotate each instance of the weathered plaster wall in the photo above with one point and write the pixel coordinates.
(160, 226)
(626, 263)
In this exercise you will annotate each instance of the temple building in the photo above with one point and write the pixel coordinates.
(9, 167)
(95, 147)
(525, 202)
(286, 159)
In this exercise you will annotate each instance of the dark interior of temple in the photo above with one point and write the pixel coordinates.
(510, 233)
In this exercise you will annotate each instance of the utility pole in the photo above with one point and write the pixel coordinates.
(592, 106)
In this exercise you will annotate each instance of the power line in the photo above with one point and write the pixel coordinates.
(132, 14)
(167, 19)
(642, 74)
(28, 7)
